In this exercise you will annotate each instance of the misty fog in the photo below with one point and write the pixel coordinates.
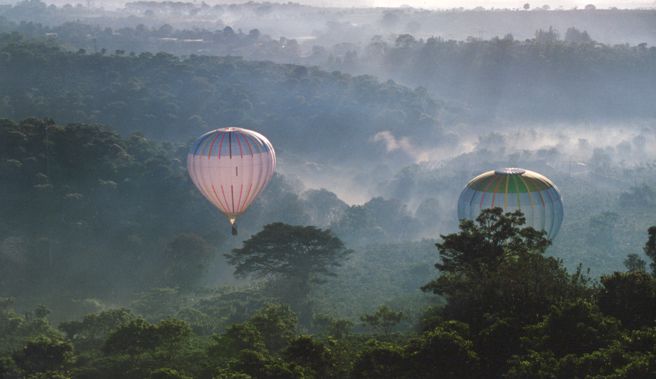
(380, 113)
(476, 123)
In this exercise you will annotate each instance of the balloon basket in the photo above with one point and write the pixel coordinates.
(233, 223)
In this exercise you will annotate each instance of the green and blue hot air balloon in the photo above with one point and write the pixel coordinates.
(512, 189)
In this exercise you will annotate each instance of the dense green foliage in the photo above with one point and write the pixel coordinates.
(506, 78)
(81, 205)
(607, 204)
(556, 325)
(112, 265)
(294, 257)
(497, 76)
(172, 98)
(485, 270)
(90, 213)
(97, 39)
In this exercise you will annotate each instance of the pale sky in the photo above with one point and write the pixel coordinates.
(428, 4)
(567, 4)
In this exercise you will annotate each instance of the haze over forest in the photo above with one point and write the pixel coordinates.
(380, 114)
(435, 4)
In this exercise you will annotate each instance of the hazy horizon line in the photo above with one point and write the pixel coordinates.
(417, 4)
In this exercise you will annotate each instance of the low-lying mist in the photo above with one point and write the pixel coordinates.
(575, 148)
(379, 118)
(605, 173)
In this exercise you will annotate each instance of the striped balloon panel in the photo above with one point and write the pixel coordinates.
(532, 193)
(526, 182)
(231, 167)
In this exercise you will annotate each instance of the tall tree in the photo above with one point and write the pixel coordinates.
(634, 263)
(650, 248)
(496, 266)
(487, 242)
(294, 256)
(495, 278)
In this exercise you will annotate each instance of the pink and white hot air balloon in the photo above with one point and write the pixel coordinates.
(230, 167)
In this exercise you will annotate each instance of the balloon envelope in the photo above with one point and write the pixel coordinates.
(512, 189)
(230, 167)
